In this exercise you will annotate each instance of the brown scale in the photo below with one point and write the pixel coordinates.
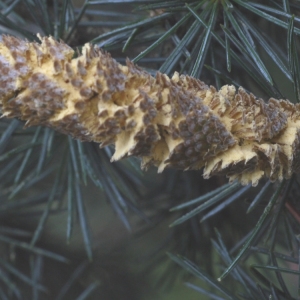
(169, 122)
(258, 115)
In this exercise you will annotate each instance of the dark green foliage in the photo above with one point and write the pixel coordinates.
(75, 226)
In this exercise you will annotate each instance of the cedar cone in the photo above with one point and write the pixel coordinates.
(175, 122)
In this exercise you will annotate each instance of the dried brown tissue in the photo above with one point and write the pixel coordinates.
(175, 122)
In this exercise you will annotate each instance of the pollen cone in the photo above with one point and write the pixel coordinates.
(175, 122)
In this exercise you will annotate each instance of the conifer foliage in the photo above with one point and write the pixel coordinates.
(67, 210)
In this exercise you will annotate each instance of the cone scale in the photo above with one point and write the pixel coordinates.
(175, 122)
